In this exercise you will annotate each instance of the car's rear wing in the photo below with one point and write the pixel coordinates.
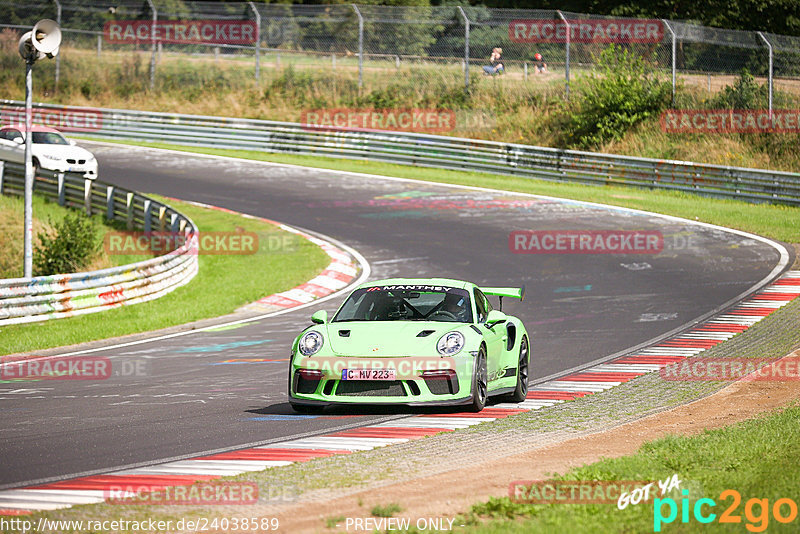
(513, 292)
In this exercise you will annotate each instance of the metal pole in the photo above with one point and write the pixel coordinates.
(258, 39)
(99, 44)
(769, 46)
(466, 47)
(666, 24)
(58, 57)
(566, 72)
(360, 46)
(153, 47)
(28, 241)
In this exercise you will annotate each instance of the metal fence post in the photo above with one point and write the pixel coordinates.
(2, 172)
(769, 46)
(667, 25)
(258, 38)
(87, 196)
(147, 216)
(153, 47)
(360, 46)
(110, 202)
(58, 57)
(61, 190)
(566, 63)
(99, 44)
(129, 211)
(466, 47)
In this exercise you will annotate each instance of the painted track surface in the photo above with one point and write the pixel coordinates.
(579, 308)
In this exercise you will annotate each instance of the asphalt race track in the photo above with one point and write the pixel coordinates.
(578, 308)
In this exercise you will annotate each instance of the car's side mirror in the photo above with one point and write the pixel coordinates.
(319, 317)
(18, 140)
(495, 317)
(72, 142)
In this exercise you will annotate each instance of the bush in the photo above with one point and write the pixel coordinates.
(625, 92)
(745, 93)
(70, 248)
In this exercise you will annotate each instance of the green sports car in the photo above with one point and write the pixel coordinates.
(412, 341)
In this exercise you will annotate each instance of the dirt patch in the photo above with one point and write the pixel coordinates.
(447, 494)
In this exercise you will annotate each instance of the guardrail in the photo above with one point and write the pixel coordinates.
(426, 150)
(25, 300)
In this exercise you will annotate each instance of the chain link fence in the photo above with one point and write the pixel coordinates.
(367, 44)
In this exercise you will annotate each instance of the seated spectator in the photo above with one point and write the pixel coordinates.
(497, 65)
(539, 67)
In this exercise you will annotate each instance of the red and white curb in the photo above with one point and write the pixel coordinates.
(340, 273)
(337, 275)
(93, 489)
(699, 339)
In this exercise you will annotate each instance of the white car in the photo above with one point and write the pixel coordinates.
(50, 150)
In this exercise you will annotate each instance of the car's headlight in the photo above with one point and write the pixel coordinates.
(450, 343)
(310, 343)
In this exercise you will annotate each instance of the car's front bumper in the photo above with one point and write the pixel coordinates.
(407, 389)
(87, 171)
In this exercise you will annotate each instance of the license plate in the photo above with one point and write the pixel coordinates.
(368, 374)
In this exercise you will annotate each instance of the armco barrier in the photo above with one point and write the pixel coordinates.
(25, 300)
(423, 150)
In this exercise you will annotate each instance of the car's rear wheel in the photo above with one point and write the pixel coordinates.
(479, 381)
(521, 391)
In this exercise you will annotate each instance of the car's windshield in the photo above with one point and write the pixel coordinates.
(48, 138)
(407, 303)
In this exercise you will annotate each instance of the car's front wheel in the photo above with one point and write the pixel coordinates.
(479, 381)
(521, 391)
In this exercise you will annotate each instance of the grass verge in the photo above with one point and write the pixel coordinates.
(46, 214)
(224, 283)
(769, 220)
(708, 464)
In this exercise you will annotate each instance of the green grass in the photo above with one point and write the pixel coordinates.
(331, 522)
(757, 458)
(769, 220)
(386, 511)
(224, 283)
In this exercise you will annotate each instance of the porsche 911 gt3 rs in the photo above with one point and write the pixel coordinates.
(412, 341)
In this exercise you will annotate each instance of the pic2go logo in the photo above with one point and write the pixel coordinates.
(756, 511)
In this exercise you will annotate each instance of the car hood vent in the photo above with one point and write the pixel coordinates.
(425, 333)
(344, 333)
